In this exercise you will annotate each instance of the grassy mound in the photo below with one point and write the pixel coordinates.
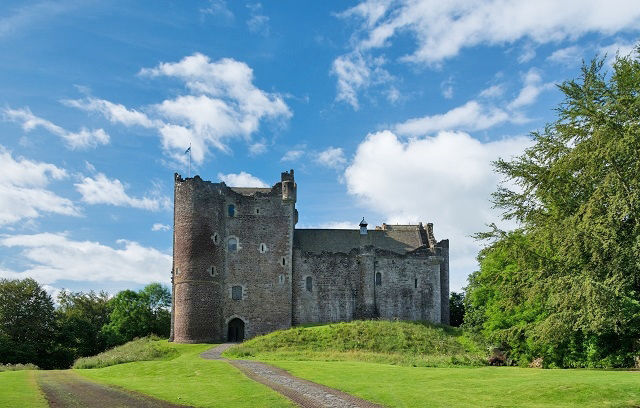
(144, 349)
(380, 341)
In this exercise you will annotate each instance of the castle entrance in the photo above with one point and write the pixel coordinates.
(236, 331)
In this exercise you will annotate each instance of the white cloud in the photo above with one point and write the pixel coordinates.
(494, 91)
(258, 23)
(32, 15)
(224, 105)
(257, 148)
(569, 56)
(332, 225)
(447, 88)
(531, 89)
(621, 48)
(54, 257)
(470, 116)
(292, 155)
(102, 190)
(242, 179)
(446, 179)
(23, 192)
(355, 72)
(160, 227)
(116, 113)
(440, 30)
(332, 157)
(84, 138)
(218, 8)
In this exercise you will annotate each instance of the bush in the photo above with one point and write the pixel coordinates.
(143, 349)
(18, 367)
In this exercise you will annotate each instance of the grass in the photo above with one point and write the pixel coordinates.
(396, 386)
(19, 389)
(146, 348)
(189, 379)
(377, 341)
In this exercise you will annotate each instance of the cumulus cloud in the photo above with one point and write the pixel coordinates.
(332, 157)
(242, 179)
(222, 105)
(53, 257)
(160, 227)
(440, 30)
(23, 192)
(82, 139)
(446, 179)
(103, 190)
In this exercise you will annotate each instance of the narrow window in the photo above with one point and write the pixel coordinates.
(236, 292)
(177, 271)
(309, 284)
(263, 248)
(233, 244)
(212, 271)
(215, 238)
(283, 261)
(232, 210)
(378, 278)
(281, 279)
(257, 211)
(415, 283)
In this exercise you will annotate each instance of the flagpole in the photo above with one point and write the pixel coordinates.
(189, 159)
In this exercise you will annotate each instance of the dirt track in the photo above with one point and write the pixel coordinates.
(67, 389)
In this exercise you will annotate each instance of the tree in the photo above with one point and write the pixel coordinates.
(27, 324)
(565, 286)
(80, 318)
(137, 314)
(456, 308)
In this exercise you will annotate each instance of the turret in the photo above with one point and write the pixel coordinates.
(288, 186)
(363, 227)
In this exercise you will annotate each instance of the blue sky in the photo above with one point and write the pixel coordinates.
(391, 110)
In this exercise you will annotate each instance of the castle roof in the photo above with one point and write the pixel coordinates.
(396, 238)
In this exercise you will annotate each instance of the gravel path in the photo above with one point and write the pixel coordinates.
(67, 389)
(304, 393)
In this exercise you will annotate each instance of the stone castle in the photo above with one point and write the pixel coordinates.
(241, 268)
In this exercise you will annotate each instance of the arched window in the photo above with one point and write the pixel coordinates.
(283, 261)
(236, 292)
(378, 279)
(309, 284)
(231, 209)
(233, 244)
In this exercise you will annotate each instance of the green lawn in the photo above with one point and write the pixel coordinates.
(19, 389)
(189, 379)
(398, 386)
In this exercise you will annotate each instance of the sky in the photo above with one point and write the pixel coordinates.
(388, 110)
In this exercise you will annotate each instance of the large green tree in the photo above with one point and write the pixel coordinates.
(137, 314)
(80, 317)
(27, 324)
(565, 286)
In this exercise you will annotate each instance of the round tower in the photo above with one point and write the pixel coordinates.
(198, 261)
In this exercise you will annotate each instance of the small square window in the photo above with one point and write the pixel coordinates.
(233, 244)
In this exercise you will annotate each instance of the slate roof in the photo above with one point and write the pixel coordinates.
(396, 238)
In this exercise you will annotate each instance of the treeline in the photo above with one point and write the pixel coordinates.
(33, 330)
(563, 289)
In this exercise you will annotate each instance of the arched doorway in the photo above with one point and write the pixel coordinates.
(236, 331)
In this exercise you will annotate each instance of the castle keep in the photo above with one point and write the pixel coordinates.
(241, 268)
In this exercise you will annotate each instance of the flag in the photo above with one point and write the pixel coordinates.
(188, 150)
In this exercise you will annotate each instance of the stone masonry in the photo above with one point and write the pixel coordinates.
(241, 269)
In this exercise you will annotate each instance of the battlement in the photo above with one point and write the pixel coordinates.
(287, 175)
